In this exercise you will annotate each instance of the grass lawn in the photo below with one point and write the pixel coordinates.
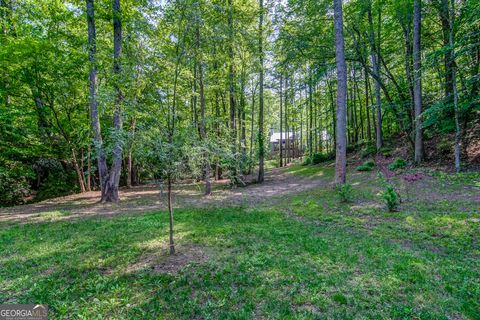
(306, 256)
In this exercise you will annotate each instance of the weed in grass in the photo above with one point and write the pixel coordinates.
(398, 163)
(366, 166)
(344, 192)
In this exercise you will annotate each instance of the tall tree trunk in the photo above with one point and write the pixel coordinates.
(94, 116)
(458, 133)
(281, 122)
(252, 133)
(417, 90)
(375, 55)
(231, 85)
(341, 148)
(203, 135)
(310, 105)
(369, 128)
(261, 138)
(445, 20)
(111, 192)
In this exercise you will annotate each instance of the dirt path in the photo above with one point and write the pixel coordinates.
(151, 197)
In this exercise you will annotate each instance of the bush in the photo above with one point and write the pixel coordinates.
(307, 161)
(390, 197)
(57, 184)
(344, 191)
(366, 166)
(14, 186)
(444, 147)
(398, 163)
(368, 150)
(322, 157)
(386, 152)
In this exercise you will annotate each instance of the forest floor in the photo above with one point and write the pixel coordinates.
(288, 248)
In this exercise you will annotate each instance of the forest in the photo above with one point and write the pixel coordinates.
(241, 158)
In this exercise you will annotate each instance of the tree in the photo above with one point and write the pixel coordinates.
(94, 115)
(261, 135)
(341, 145)
(417, 76)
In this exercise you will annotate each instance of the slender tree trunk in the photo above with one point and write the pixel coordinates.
(261, 138)
(341, 150)
(130, 154)
(89, 168)
(170, 211)
(81, 183)
(375, 54)
(417, 90)
(94, 116)
(231, 85)
(285, 122)
(281, 122)
(203, 135)
(458, 133)
(252, 133)
(310, 104)
(367, 104)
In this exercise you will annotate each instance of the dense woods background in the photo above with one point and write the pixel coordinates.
(192, 88)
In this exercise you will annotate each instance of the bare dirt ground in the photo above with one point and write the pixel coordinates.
(152, 197)
(278, 184)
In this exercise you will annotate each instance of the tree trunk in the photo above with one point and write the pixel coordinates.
(375, 55)
(203, 135)
(111, 192)
(78, 170)
(341, 151)
(261, 138)
(417, 76)
(310, 105)
(458, 134)
(94, 116)
(252, 126)
(170, 211)
(281, 122)
(130, 156)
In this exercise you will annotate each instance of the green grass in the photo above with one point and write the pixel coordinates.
(309, 256)
(313, 171)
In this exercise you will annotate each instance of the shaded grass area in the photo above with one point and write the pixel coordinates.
(308, 256)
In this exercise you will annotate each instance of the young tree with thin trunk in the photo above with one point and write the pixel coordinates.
(454, 87)
(281, 122)
(203, 135)
(375, 56)
(341, 145)
(417, 76)
(261, 138)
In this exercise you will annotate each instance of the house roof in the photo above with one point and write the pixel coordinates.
(275, 137)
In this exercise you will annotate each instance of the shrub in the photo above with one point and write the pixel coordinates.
(307, 161)
(390, 197)
(398, 163)
(444, 146)
(366, 166)
(57, 184)
(14, 186)
(386, 152)
(322, 157)
(344, 191)
(368, 150)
